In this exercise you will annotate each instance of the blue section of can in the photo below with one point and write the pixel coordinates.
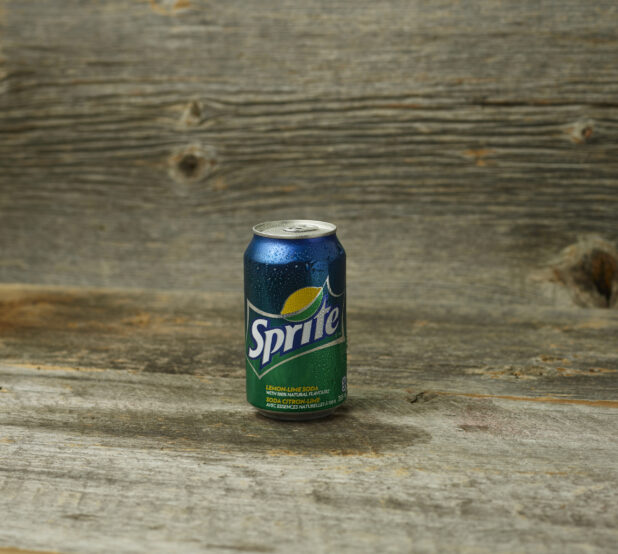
(275, 268)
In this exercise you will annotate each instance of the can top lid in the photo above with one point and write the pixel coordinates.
(294, 229)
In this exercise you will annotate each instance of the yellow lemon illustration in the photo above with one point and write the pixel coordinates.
(302, 304)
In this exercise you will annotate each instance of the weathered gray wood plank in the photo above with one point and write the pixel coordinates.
(514, 350)
(107, 460)
(139, 142)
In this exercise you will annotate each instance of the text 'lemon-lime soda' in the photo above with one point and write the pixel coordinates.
(295, 339)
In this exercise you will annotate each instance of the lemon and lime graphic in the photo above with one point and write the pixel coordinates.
(302, 304)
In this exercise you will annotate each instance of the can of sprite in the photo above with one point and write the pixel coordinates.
(295, 322)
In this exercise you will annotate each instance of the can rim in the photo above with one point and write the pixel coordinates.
(294, 229)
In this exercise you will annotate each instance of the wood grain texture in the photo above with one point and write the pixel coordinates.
(466, 430)
(468, 152)
(111, 460)
(528, 351)
(140, 142)
(11, 550)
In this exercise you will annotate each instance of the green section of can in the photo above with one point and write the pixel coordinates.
(314, 382)
(298, 364)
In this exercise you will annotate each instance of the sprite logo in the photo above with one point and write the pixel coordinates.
(311, 319)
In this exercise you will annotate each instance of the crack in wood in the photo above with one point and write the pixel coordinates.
(543, 399)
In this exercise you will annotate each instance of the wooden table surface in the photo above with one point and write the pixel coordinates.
(466, 429)
(468, 152)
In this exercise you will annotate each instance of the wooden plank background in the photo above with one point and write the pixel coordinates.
(468, 152)
(140, 141)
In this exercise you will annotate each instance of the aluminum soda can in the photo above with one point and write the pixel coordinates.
(295, 321)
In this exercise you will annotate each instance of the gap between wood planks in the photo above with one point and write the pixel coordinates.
(548, 399)
(11, 550)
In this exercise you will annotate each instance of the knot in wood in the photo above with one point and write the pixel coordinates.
(193, 114)
(192, 164)
(589, 270)
(581, 131)
(424, 396)
(169, 7)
